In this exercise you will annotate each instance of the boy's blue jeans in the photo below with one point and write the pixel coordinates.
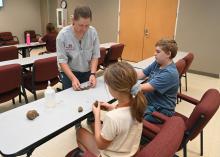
(150, 109)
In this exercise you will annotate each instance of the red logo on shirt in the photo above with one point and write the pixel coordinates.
(69, 47)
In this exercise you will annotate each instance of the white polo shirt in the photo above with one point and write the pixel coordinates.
(77, 53)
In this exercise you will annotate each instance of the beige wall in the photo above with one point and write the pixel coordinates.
(19, 15)
(48, 13)
(105, 16)
(52, 11)
(198, 31)
(44, 12)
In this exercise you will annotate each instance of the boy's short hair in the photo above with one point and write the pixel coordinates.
(83, 11)
(168, 45)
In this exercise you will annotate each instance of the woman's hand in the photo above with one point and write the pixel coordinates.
(76, 84)
(92, 81)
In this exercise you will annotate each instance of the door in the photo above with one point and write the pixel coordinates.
(144, 22)
(131, 30)
(160, 23)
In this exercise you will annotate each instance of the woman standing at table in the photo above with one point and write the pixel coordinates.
(49, 38)
(120, 133)
(78, 50)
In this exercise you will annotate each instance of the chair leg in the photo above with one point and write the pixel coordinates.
(19, 97)
(25, 98)
(13, 100)
(185, 150)
(59, 89)
(186, 80)
(35, 95)
(25, 95)
(180, 86)
(201, 143)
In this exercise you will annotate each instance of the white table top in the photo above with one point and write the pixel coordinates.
(30, 60)
(145, 63)
(27, 60)
(18, 133)
(24, 45)
(33, 44)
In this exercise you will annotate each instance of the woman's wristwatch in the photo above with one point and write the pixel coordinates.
(92, 74)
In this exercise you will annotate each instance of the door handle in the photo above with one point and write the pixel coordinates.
(146, 32)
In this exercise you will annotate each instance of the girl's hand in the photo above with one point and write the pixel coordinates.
(96, 110)
(107, 106)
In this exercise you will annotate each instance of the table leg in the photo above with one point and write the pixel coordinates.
(25, 52)
(29, 153)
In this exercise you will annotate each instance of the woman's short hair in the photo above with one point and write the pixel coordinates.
(82, 11)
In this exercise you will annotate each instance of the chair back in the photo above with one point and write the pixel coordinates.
(188, 58)
(180, 65)
(6, 36)
(8, 39)
(102, 57)
(167, 141)
(203, 112)
(8, 53)
(10, 78)
(114, 53)
(33, 35)
(45, 69)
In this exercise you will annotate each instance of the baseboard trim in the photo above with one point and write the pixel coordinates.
(204, 73)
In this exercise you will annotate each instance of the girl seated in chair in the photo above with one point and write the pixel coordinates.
(120, 133)
(49, 38)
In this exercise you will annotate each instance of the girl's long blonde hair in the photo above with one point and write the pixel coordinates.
(121, 77)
